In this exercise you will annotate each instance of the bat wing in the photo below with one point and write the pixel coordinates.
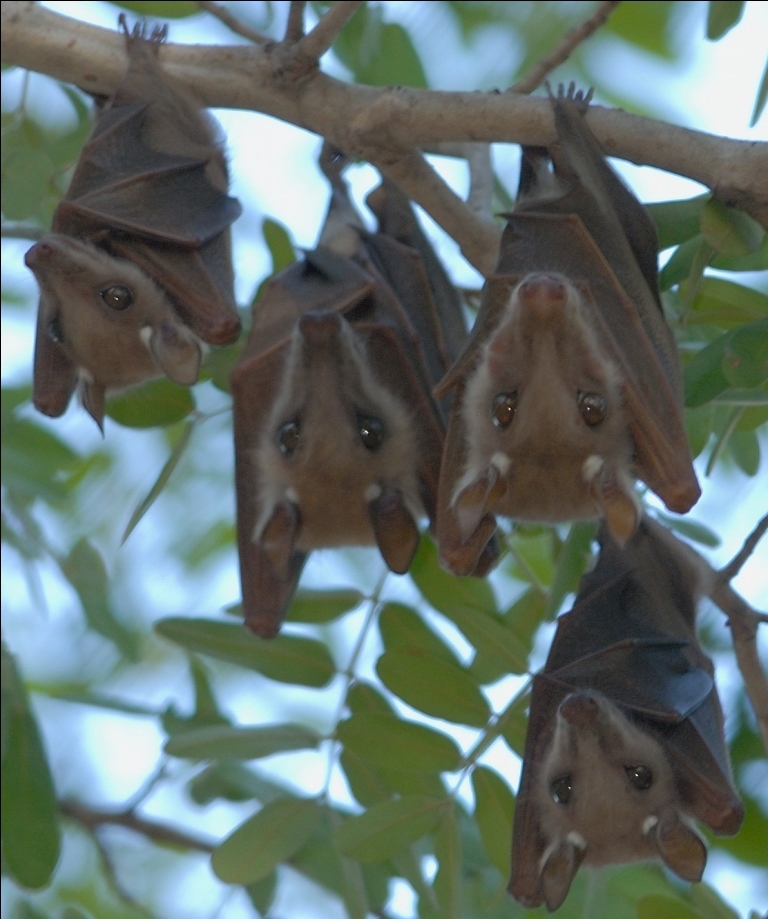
(54, 374)
(561, 243)
(121, 184)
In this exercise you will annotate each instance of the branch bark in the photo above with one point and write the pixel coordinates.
(384, 125)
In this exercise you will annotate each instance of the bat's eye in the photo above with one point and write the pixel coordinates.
(592, 407)
(288, 437)
(55, 330)
(117, 297)
(503, 409)
(562, 788)
(371, 431)
(640, 776)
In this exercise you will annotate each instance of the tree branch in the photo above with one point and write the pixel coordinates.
(320, 39)
(238, 27)
(92, 818)
(727, 574)
(380, 124)
(536, 76)
(294, 29)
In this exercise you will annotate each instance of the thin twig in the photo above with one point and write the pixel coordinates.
(729, 572)
(563, 51)
(417, 179)
(92, 818)
(238, 27)
(319, 40)
(294, 29)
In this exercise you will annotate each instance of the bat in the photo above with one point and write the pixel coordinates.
(625, 747)
(337, 437)
(137, 270)
(569, 388)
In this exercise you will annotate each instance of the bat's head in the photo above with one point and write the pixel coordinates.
(542, 409)
(337, 460)
(604, 792)
(113, 322)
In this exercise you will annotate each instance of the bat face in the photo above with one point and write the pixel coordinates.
(543, 416)
(108, 319)
(569, 387)
(625, 748)
(138, 267)
(338, 446)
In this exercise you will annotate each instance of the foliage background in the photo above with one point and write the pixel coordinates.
(149, 698)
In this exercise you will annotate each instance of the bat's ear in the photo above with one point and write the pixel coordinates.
(680, 847)
(397, 535)
(278, 538)
(177, 354)
(558, 872)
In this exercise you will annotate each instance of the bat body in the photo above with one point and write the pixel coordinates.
(137, 271)
(569, 388)
(337, 437)
(625, 747)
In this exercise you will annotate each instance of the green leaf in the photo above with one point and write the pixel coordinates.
(268, 838)
(223, 741)
(434, 686)
(85, 570)
(160, 9)
(494, 807)
(744, 447)
(691, 529)
(287, 658)
(726, 304)
(162, 480)
(29, 815)
(232, 782)
(645, 25)
(571, 563)
(677, 221)
(745, 357)
(157, 403)
(449, 873)
(388, 827)
(378, 53)
(35, 462)
(26, 176)
(660, 906)
(491, 638)
(321, 606)
(722, 17)
(444, 591)
(262, 892)
(710, 904)
(728, 231)
(402, 629)
(703, 376)
(388, 741)
(278, 241)
(515, 721)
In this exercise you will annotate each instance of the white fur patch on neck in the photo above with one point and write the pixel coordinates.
(502, 462)
(591, 467)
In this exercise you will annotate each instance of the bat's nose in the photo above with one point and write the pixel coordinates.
(579, 709)
(38, 253)
(544, 295)
(320, 328)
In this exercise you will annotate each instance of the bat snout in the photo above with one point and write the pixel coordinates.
(320, 328)
(544, 296)
(579, 709)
